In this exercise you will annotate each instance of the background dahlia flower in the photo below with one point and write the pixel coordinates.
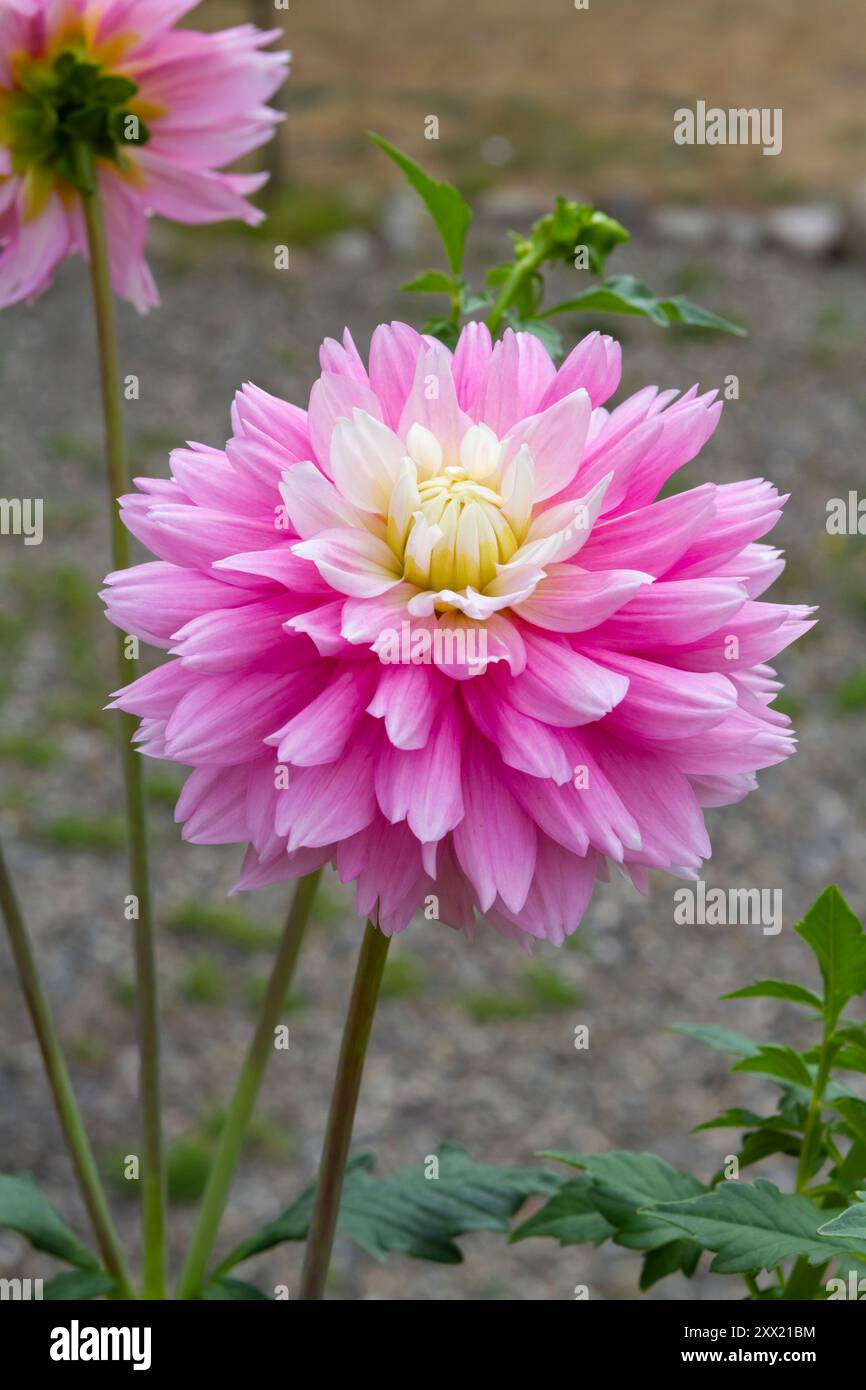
(161, 109)
(622, 683)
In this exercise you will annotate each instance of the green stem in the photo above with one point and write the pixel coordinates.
(86, 1172)
(153, 1164)
(341, 1116)
(813, 1116)
(520, 271)
(804, 1281)
(246, 1090)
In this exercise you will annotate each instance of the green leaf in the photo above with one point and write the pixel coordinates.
(837, 938)
(683, 311)
(443, 329)
(623, 1187)
(545, 332)
(738, 1118)
(763, 1143)
(449, 210)
(410, 1213)
(718, 1038)
(752, 1227)
(430, 282)
(620, 294)
(667, 1259)
(780, 1063)
(850, 1223)
(849, 1174)
(850, 1057)
(219, 1290)
(78, 1285)
(853, 1112)
(625, 1184)
(623, 294)
(778, 989)
(570, 1216)
(25, 1210)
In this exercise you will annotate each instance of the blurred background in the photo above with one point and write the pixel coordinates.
(473, 1042)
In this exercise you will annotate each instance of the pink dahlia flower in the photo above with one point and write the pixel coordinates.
(610, 679)
(162, 110)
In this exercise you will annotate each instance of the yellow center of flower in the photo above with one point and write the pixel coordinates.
(473, 536)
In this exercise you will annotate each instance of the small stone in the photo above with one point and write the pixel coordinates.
(350, 248)
(814, 230)
(687, 226)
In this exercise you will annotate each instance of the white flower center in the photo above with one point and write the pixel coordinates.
(448, 521)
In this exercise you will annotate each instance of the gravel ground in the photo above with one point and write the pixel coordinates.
(445, 1062)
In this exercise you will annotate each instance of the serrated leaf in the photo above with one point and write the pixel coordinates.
(625, 1184)
(778, 1062)
(837, 939)
(430, 282)
(853, 1112)
(763, 1143)
(668, 1259)
(408, 1212)
(752, 1226)
(24, 1209)
(738, 1118)
(236, 1290)
(683, 311)
(623, 294)
(718, 1038)
(619, 294)
(570, 1216)
(449, 210)
(78, 1285)
(778, 989)
(850, 1223)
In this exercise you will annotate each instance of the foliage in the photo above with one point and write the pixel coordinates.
(573, 234)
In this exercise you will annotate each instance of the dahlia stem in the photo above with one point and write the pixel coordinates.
(520, 271)
(86, 1172)
(341, 1116)
(152, 1164)
(246, 1090)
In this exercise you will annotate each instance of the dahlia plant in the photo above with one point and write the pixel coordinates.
(108, 113)
(108, 96)
(439, 629)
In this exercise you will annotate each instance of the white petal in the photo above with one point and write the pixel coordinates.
(425, 450)
(479, 452)
(518, 490)
(365, 461)
(561, 532)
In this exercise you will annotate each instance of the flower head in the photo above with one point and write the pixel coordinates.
(159, 109)
(438, 629)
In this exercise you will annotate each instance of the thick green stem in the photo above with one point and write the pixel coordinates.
(152, 1158)
(341, 1116)
(246, 1090)
(86, 1172)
